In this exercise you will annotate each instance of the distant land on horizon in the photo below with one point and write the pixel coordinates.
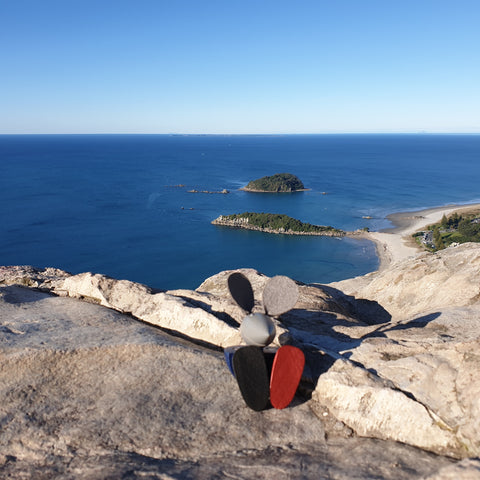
(257, 134)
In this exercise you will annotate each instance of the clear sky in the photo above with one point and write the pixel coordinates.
(249, 66)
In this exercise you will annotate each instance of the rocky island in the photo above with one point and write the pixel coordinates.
(278, 183)
(275, 223)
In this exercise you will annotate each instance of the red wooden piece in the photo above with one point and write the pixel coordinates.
(286, 374)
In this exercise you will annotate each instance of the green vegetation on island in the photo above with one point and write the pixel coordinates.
(278, 183)
(457, 228)
(275, 223)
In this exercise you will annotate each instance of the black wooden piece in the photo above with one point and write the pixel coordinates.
(252, 377)
(241, 290)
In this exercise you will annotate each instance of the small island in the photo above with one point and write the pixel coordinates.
(278, 183)
(275, 223)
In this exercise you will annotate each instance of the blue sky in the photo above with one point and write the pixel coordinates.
(227, 66)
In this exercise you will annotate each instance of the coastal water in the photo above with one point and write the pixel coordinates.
(120, 204)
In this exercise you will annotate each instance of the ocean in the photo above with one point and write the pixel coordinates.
(120, 204)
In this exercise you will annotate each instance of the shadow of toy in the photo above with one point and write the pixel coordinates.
(324, 338)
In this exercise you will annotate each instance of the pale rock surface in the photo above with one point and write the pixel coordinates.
(168, 311)
(87, 392)
(375, 408)
(468, 469)
(77, 378)
(436, 360)
(425, 283)
(190, 314)
(392, 356)
(428, 351)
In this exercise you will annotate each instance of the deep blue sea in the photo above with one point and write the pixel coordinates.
(111, 203)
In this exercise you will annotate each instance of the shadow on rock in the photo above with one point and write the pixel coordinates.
(419, 322)
(223, 316)
(326, 336)
(15, 294)
(367, 311)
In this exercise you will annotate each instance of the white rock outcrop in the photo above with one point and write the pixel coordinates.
(392, 356)
(425, 283)
(87, 392)
(179, 312)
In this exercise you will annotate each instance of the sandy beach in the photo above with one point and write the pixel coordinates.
(395, 244)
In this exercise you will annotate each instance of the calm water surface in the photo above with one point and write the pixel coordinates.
(111, 203)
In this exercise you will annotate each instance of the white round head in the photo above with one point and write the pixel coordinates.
(257, 329)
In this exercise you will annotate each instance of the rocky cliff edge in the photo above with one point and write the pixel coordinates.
(105, 375)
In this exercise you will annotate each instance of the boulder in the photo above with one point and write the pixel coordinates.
(425, 283)
(426, 353)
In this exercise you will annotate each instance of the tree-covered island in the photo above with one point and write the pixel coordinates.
(275, 223)
(278, 183)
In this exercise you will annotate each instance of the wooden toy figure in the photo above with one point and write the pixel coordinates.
(265, 377)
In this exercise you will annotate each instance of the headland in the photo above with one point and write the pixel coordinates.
(275, 223)
(392, 244)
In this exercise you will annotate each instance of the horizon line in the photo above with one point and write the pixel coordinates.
(413, 132)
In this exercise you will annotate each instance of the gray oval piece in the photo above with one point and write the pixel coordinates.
(280, 295)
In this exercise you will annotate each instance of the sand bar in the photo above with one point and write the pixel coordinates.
(395, 244)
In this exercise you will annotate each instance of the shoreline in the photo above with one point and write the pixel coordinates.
(396, 243)
(245, 189)
(392, 244)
